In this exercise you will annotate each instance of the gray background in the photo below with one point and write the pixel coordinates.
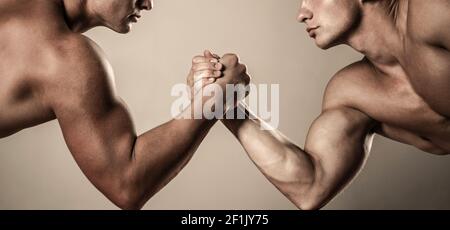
(38, 172)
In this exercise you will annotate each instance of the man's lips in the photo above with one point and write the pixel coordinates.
(310, 30)
(134, 17)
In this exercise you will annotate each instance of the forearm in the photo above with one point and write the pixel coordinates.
(161, 153)
(287, 166)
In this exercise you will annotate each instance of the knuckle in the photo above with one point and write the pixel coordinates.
(232, 58)
(243, 68)
(247, 79)
(196, 59)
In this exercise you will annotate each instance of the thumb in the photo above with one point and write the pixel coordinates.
(208, 54)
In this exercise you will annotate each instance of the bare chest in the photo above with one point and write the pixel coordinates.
(393, 101)
(428, 69)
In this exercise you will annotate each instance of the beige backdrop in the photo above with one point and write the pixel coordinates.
(38, 172)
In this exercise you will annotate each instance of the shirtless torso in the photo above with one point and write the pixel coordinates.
(405, 98)
(401, 90)
(410, 98)
(49, 70)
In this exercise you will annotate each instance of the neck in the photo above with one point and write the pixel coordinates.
(78, 17)
(380, 34)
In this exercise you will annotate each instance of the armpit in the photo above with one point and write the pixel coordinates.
(407, 137)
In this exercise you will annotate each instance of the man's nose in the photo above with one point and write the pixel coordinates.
(304, 12)
(145, 4)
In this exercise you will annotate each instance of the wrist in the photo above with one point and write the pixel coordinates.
(236, 118)
(208, 107)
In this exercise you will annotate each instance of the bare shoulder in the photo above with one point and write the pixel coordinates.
(82, 75)
(78, 52)
(428, 21)
(349, 84)
(37, 38)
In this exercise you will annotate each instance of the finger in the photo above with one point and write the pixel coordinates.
(230, 60)
(208, 54)
(202, 74)
(205, 80)
(219, 66)
(208, 81)
(207, 66)
(206, 74)
(201, 59)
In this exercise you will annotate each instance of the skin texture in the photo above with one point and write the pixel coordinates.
(66, 77)
(401, 90)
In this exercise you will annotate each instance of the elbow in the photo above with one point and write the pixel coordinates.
(128, 196)
(316, 194)
(308, 203)
(311, 196)
(128, 201)
(122, 187)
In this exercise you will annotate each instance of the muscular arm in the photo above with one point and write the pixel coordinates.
(128, 169)
(336, 147)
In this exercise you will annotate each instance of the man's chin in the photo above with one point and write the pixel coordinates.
(126, 29)
(123, 29)
(323, 44)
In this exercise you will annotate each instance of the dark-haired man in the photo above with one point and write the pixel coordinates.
(49, 70)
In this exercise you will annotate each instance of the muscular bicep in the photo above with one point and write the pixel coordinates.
(99, 139)
(338, 143)
(339, 140)
(95, 123)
